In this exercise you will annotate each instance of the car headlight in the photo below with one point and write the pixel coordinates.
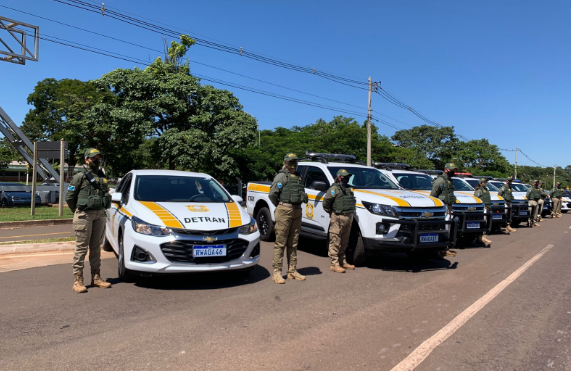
(380, 209)
(141, 227)
(249, 228)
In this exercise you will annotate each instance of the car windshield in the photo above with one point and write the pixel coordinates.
(566, 193)
(176, 188)
(496, 185)
(519, 187)
(472, 182)
(492, 187)
(461, 185)
(414, 181)
(365, 178)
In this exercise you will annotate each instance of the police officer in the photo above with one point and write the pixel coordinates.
(339, 203)
(88, 197)
(443, 189)
(287, 194)
(533, 195)
(556, 195)
(506, 192)
(541, 202)
(483, 193)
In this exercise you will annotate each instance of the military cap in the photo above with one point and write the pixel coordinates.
(483, 180)
(92, 152)
(450, 166)
(290, 157)
(343, 172)
(510, 178)
(558, 183)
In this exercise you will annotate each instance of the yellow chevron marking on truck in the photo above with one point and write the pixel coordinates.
(164, 215)
(234, 215)
(259, 188)
(124, 211)
(476, 199)
(317, 198)
(399, 201)
(437, 201)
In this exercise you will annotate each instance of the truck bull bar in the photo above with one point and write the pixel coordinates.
(414, 243)
(480, 218)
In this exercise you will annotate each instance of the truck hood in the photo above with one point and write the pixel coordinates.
(461, 197)
(394, 197)
(198, 216)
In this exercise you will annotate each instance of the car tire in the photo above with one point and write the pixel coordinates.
(265, 224)
(125, 274)
(4, 203)
(355, 252)
(106, 245)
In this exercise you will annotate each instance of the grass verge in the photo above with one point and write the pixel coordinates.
(18, 214)
(47, 240)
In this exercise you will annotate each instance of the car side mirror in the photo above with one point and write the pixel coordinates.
(116, 197)
(319, 186)
(238, 199)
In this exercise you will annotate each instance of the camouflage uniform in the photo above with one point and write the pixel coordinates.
(483, 193)
(287, 194)
(556, 194)
(533, 195)
(443, 189)
(339, 202)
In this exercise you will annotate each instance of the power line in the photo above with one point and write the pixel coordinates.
(152, 26)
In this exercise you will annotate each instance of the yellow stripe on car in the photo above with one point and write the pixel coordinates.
(317, 198)
(437, 201)
(164, 215)
(399, 201)
(234, 215)
(124, 211)
(259, 188)
(474, 197)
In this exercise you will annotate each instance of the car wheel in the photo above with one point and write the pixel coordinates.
(4, 203)
(125, 275)
(355, 252)
(106, 245)
(265, 224)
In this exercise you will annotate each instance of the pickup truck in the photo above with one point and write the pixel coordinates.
(387, 217)
(520, 206)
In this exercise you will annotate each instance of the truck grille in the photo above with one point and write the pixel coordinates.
(469, 208)
(423, 227)
(180, 251)
(206, 233)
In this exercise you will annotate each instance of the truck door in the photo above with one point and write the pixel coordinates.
(315, 219)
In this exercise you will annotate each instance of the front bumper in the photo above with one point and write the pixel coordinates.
(484, 221)
(519, 212)
(173, 254)
(500, 215)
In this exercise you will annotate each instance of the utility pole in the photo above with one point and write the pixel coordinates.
(369, 125)
(515, 175)
(554, 169)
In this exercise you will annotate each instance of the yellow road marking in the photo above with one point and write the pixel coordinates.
(234, 215)
(164, 215)
(34, 235)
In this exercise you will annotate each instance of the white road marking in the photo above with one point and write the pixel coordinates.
(423, 351)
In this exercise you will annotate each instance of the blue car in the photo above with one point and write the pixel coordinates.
(16, 198)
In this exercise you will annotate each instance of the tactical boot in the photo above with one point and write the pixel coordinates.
(348, 266)
(293, 274)
(510, 229)
(337, 269)
(78, 285)
(536, 224)
(450, 253)
(277, 276)
(97, 281)
(485, 241)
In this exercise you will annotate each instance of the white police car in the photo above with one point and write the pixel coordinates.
(164, 221)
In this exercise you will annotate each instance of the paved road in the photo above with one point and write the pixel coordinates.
(373, 318)
(36, 233)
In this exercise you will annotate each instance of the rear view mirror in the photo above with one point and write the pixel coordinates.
(319, 186)
(116, 197)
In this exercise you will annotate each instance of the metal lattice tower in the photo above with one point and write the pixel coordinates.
(14, 49)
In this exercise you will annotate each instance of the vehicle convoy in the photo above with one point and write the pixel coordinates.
(164, 221)
(520, 206)
(16, 198)
(387, 218)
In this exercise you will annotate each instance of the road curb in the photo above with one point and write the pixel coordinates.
(27, 248)
(34, 223)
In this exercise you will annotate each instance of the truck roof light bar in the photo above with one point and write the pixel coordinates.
(335, 157)
(391, 165)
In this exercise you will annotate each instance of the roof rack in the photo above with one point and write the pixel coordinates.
(335, 157)
(391, 165)
(431, 172)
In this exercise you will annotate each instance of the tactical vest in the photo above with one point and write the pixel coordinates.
(447, 195)
(345, 200)
(292, 191)
(534, 194)
(557, 193)
(484, 195)
(507, 193)
(542, 193)
(95, 195)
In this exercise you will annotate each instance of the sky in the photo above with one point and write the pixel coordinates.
(499, 70)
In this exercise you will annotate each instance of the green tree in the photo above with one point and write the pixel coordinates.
(7, 154)
(437, 144)
(481, 157)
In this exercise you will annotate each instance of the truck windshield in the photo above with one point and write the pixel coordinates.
(416, 182)
(519, 187)
(365, 178)
(461, 185)
(176, 188)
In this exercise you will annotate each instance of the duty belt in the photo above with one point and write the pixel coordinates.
(290, 205)
(345, 214)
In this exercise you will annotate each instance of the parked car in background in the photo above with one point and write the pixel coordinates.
(16, 198)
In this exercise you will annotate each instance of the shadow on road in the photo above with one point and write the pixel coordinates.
(201, 281)
(400, 262)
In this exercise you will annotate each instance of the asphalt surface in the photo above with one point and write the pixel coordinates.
(369, 319)
(36, 233)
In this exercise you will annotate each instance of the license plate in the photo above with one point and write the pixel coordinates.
(497, 216)
(472, 225)
(208, 251)
(523, 213)
(429, 237)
